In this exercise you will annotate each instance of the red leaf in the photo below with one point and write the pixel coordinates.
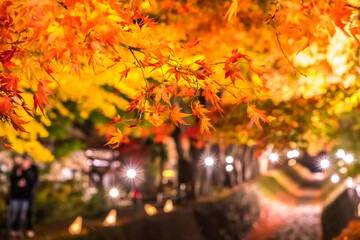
(41, 98)
(124, 73)
(190, 44)
(116, 120)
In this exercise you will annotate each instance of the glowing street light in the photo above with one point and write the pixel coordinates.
(114, 193)
(325, 163)
(348, 158)
(131, 173)
(274, 157)
(229, 168)
(229, 159)
(340, 153)
(209, 161)
(335, 178)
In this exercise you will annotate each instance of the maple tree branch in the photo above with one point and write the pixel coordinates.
(141, 67)
(352, 6)
(227, 90)
(281, 48)
(16, 42)
(179, 67)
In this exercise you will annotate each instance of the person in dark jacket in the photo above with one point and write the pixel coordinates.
(30, 170)
(18, 204)
(22, 186)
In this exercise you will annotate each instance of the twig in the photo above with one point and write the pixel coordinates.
(352, 6)
(141, 67)
(282, 50)
(178, 67)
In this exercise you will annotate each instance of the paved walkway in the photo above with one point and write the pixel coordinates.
(293, 213)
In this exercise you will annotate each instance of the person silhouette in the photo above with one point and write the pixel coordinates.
(31, 172)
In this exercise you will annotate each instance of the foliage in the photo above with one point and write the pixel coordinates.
(352, 231)
(146, 63)
(67, 202)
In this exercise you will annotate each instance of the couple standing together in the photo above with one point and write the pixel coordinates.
(23, 181)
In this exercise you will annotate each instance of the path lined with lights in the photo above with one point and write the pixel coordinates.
(290, 202)
(291, 214)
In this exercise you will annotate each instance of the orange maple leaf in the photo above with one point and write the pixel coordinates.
(41, 98)
(176, 116)
(205, 125)
(117, 138)
(232, 10)
(255, 115)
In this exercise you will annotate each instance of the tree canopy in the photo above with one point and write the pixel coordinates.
(137, 64)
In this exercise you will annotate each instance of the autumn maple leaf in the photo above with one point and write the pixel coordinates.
(5, 58)
(205, 125)
(198, 110)
(341, 15)
(124, 73)
(116, 120)
(176, 116)
(41, 98)
(256, 115)
(355, 31)
(117, 138)
(16, 122)
(6, 105)
(232, 10)
(190, 44)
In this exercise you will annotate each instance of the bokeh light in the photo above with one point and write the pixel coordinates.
(131, 173)
(348, 158)
(114, 193)
(209, 161)
(335, 178)
(229, 168)
(229, 159)
(292, 162)
(290, 154)
(350, 182)
(324, 163)
(274, 157)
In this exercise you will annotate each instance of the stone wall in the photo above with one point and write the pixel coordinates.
(229, 218)
(338, 213)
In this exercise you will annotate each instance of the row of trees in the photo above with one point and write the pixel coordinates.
(179, 69)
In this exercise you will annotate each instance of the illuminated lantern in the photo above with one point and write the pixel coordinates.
(168, 206)
(76, 226)
(150, 209)
(110, 219)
